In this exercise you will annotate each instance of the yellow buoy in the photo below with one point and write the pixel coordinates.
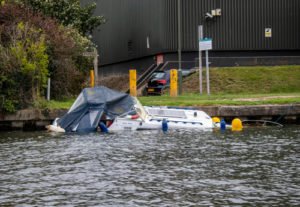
(216, 119)
(236, 125)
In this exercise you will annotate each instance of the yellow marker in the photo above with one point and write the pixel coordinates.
(216, 120)
(173, 83)
(132, 82)
(236, 125)
(92, 79)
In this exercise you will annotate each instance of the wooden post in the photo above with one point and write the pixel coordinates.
(132, 82)
(92, 79)
(173, 83)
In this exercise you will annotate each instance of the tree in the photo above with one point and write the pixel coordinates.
(24, 66)
(28, 48)
(69, 13)
(34, 47)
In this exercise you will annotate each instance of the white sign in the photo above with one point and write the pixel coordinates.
(205, 44)
(268, 32)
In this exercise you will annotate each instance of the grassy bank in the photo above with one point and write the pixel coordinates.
(231, 86)
(238, 86)
(230, 99)
(204, 100)
(248, 80)
(66, 104)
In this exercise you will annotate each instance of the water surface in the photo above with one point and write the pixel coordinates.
(259, 166)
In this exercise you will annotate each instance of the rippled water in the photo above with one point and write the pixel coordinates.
(148, 168)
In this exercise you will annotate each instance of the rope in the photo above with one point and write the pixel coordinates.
(283, 115)
(264, 121)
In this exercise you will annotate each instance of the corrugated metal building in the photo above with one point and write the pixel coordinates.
(137, 30)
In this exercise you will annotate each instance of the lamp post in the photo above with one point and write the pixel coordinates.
(179, 45)
(95, 55)
(95, 62)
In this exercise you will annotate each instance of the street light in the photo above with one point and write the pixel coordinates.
(179, 44)
(91, 51)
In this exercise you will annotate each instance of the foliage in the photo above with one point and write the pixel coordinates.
(29, 50)
(34, 47)
(69, 13)
(25, 66)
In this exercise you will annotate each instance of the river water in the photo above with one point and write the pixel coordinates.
(259, 166)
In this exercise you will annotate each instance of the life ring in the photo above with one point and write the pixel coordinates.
(136, 116)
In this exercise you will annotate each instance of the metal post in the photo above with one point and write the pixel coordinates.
(207, 73)
(200, 37)
(48, 89)
(179, 45)
(96, 65)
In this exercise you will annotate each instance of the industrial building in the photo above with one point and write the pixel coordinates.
(139, 33)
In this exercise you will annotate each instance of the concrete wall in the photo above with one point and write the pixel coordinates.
(38, 119)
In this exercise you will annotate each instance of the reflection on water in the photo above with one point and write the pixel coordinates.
(148, 168)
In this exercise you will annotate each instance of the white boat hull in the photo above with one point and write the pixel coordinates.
(148, 118)
(54, 127)
(190, 119)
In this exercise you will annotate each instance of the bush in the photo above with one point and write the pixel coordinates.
(34, 47)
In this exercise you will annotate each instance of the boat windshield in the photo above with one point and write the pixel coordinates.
(139, 108)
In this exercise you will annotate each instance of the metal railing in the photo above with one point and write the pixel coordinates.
(146, 75)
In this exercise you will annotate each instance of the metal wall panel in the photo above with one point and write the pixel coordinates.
(129, 23)
(241, 26)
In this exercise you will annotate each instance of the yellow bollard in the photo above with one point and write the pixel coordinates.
(216, 120)
(173, 83)
(132, 82)
(92, 79)
(236, 125)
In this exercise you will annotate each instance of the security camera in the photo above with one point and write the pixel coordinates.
(209, 15)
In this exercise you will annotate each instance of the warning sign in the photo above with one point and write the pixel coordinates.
(268, 32)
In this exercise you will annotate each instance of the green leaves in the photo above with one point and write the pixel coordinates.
(34, 47)
(28, 49)
(69, 13)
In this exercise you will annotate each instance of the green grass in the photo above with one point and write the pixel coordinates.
(248, 80)
(203, 100)
(66, 104)
(228, 85)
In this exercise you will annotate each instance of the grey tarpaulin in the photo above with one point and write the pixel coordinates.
(86, 111)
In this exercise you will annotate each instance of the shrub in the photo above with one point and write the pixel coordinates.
(34, 47)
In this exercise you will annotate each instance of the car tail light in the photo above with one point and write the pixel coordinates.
(162, 82)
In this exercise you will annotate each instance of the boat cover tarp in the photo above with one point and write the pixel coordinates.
(86, 111)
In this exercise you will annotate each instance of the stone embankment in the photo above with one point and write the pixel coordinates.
(285, 114)
(29, 119)
(35, 119)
